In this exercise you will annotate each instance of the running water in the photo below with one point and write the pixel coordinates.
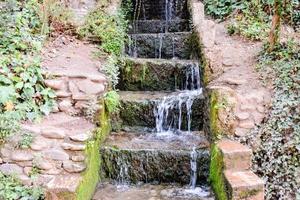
(194, 156)
(166, 123)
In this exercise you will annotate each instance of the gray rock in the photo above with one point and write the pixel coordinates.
(72, 167)
(53, 133)
(73, 147)
(55, 154)
(80, 137)
(21, 156)
(11, 169)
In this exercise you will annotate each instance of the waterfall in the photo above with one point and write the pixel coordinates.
(194, 156)
(165, 122)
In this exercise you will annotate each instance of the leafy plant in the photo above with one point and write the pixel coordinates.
(12, 189)
(112, 101)
(25, 141)
(108, 29)
(8, 125)
(220, 9)
(22, 86)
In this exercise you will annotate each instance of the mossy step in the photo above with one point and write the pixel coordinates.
(160, 45)
(144, 157)
(159, 26)
(139, 74)
(137, 109)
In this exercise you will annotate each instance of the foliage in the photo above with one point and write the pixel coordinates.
(54, 14)
(12, 189)
(277, 158)
(109, 29)
(252, 19)
(21, 82)
(8, 125)
(25, 141)
(112, 101)
(220, 9)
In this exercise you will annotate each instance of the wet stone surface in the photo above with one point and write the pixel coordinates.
(138, 110)
(155, 74)
(158, 26)
(162, 45)
(108, 191)
(162, 158)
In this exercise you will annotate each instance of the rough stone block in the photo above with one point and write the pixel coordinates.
(244, 185)
(235, 155)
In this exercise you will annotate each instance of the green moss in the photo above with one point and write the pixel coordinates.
(247, 194)
(216, 177)
(214, 129)
(91, 176)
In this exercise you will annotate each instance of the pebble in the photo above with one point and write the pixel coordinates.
(53, 133)
(21, 156)
(78, 158)
(80, 137)
(8, 168)
(55, 154)
(72, 167)
(73, 147)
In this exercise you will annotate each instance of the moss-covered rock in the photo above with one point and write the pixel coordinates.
(154, 75)
(216, 176)
(90, 176)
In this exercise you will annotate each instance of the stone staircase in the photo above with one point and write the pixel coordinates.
(138, 159)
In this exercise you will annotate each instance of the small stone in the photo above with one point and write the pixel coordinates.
(260, 108)
(88, 87)
(80, 137)
(81, 105)
(234, 81)
(25, 180)
(27, 170)
(78, 158)
(73, 147)
(68, 183)
(31, 129)
(247, 124)
(21, 156)
(81, 96)
(97, 78)
(39, 144)
(11, 169)
(43, 179)
(72, 167)
(63, 94)
(43, 164)
(258, 117)
(240, 132)
(65, 105)
(53, 133)
(53, 171)
(73, 87)
(55, 84)
(55, 154)
(242, 115)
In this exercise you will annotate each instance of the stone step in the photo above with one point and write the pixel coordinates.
(244, 185)
(235, 155)
(138, 74)
(137, 109)
(161, 158)
(156, 9)
(159, 26)
(160, 45)
(107, 191)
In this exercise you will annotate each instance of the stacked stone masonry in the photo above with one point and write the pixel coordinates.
(230, 71)
(241, 183)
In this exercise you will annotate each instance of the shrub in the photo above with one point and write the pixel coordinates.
(112, 101)
(12, 189)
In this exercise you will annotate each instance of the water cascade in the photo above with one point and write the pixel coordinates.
(159, 142)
